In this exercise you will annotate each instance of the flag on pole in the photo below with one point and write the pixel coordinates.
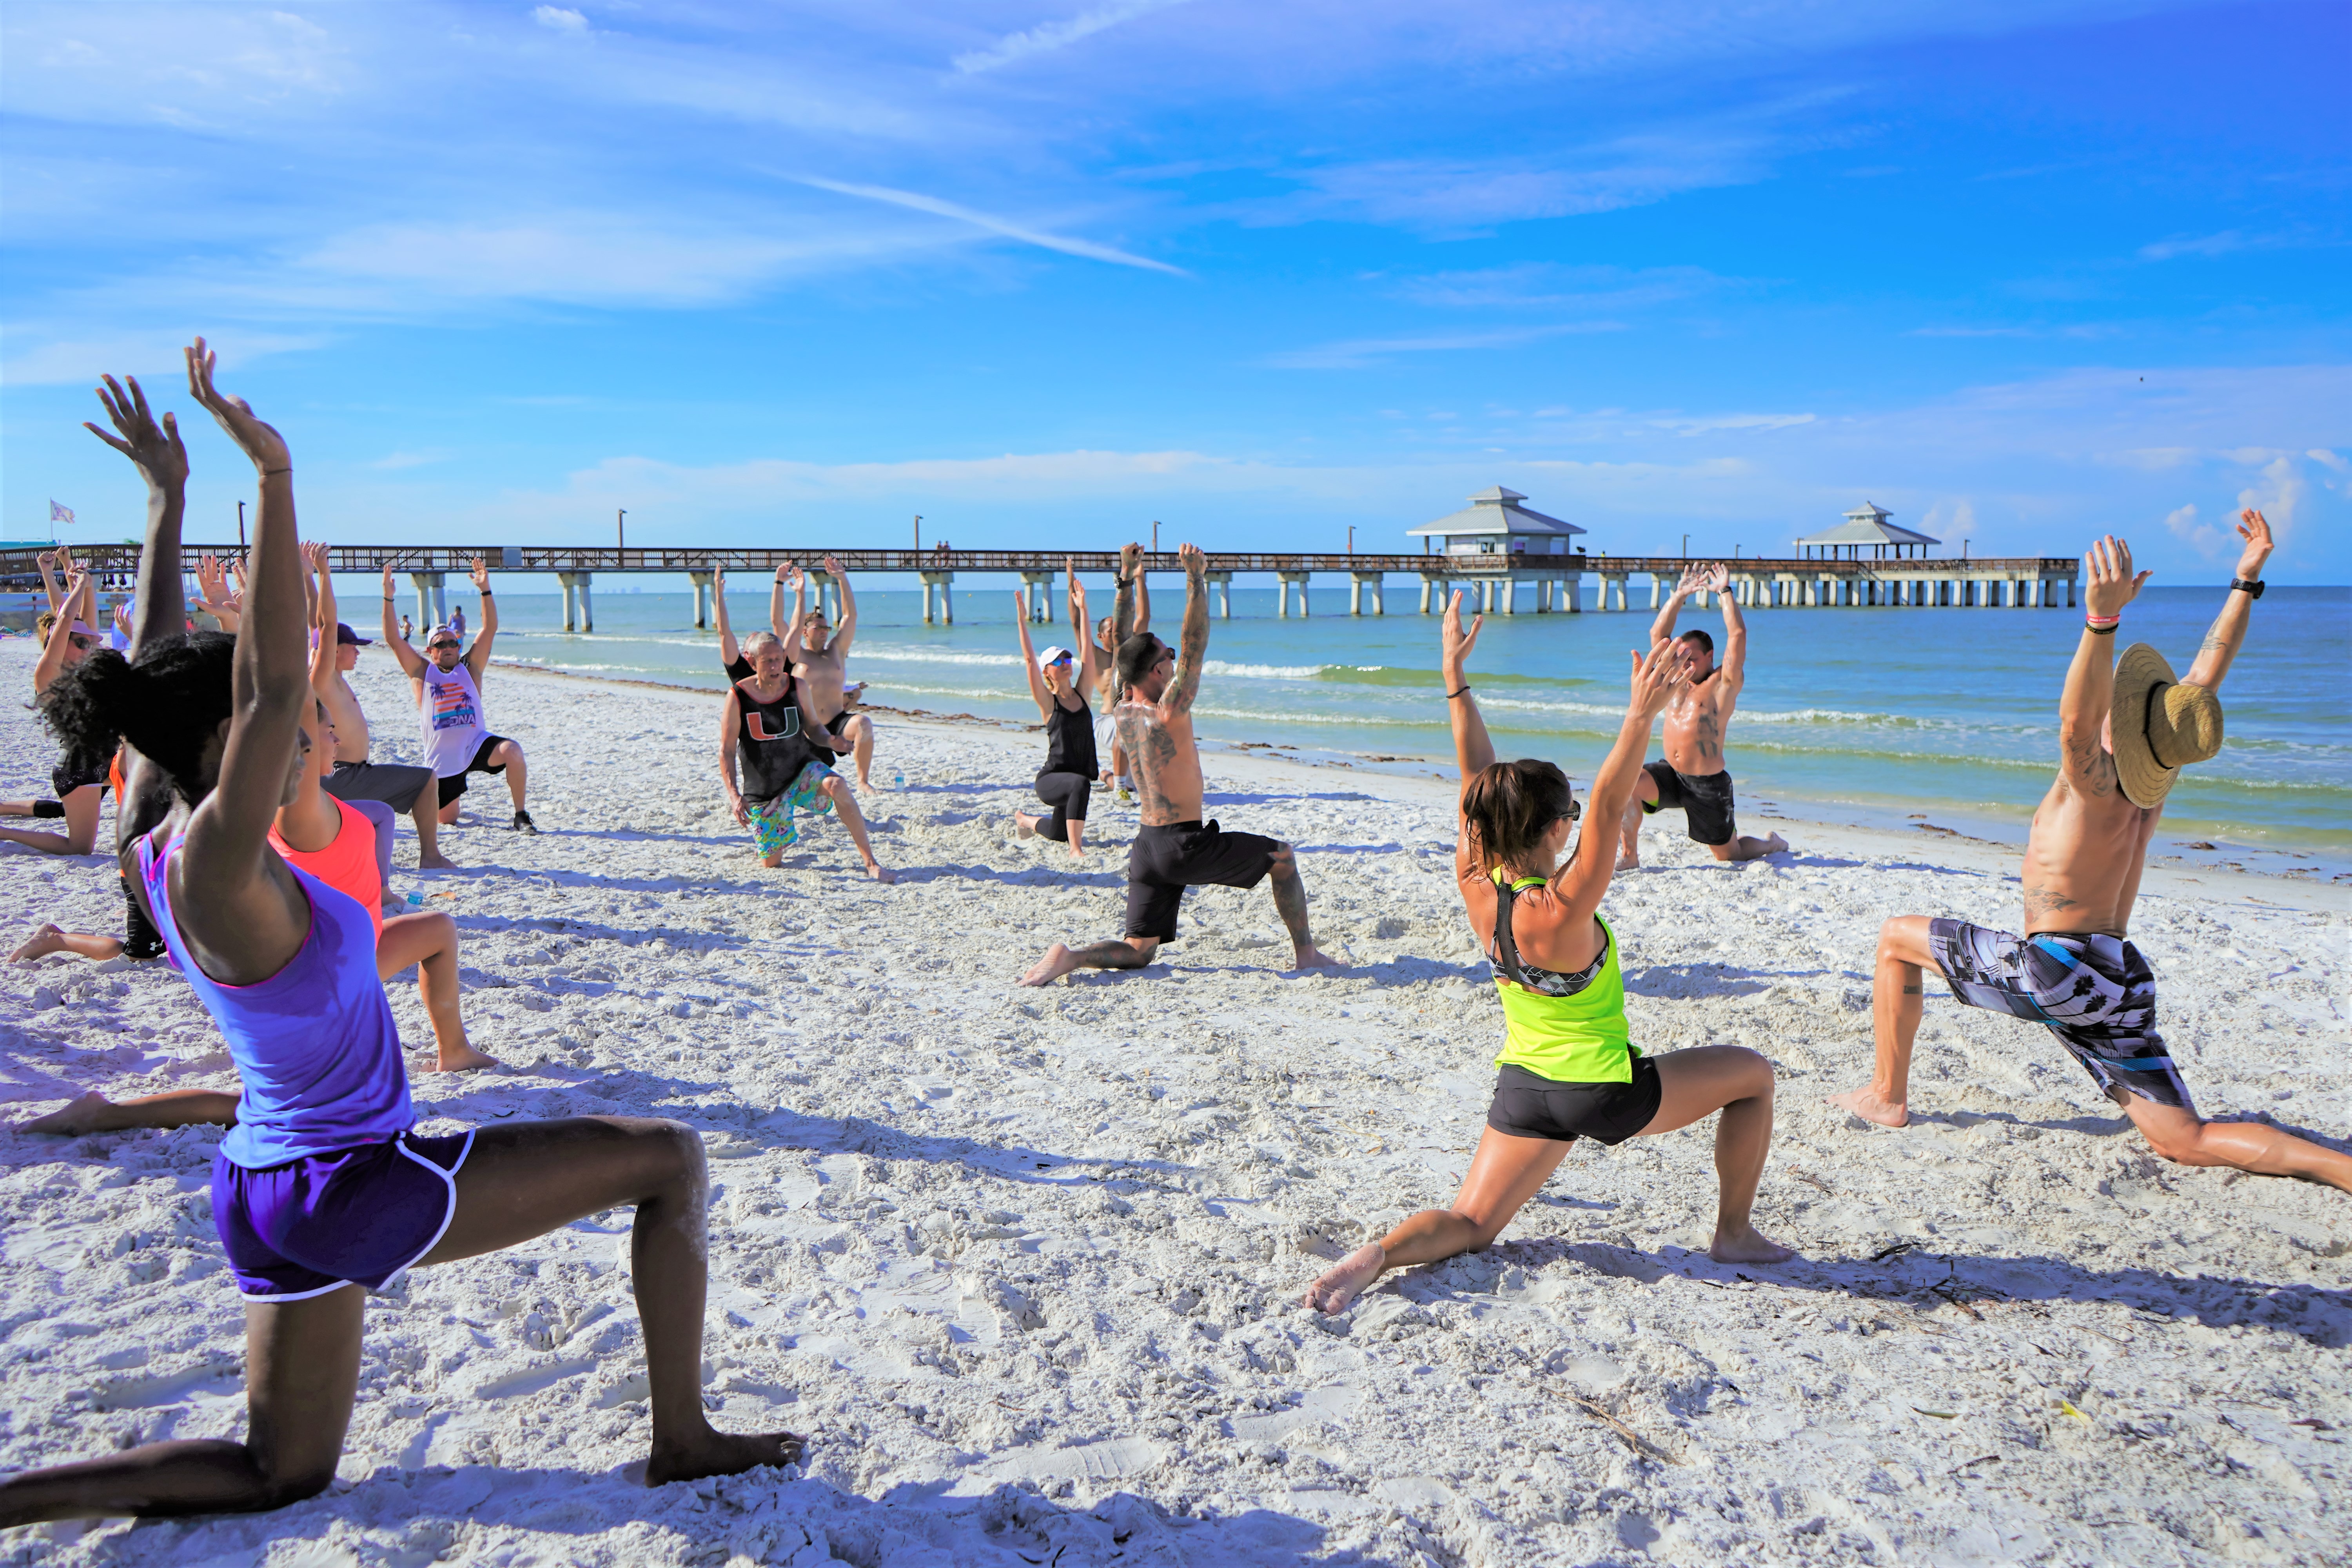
(60, 513)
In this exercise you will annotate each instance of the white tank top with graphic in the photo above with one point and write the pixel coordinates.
(451, 716)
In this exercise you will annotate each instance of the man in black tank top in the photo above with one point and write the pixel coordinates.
(781, 758)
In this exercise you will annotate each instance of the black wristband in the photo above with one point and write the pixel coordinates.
(484, 592)
(2102, 631)
(2252, 590)
(1452, 695)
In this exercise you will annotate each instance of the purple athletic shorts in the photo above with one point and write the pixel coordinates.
(360, 1215)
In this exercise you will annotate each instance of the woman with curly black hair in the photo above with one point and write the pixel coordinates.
(323, 1189)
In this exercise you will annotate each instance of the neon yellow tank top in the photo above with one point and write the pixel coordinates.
(1579, 1038)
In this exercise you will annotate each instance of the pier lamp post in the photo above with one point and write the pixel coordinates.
(1352, 539)
(1155, 536)
(918, 533)
(240, 526)
(1686, 546)
(621, 528)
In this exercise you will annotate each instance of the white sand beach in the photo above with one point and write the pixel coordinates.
(1024, 1264)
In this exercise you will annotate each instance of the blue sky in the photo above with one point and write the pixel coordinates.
(1046, 271)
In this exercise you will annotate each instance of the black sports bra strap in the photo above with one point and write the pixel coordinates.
(1507, 949)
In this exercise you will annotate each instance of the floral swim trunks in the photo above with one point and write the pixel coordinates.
(773, 827)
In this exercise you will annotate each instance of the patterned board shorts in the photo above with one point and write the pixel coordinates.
(2094, 992)
(771, 820)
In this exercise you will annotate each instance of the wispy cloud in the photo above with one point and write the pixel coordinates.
(914, 200)
(1354, 353)
(1708, 425)
(2208, 244)
(559, 19)
(1051, 36)
(1544, 284)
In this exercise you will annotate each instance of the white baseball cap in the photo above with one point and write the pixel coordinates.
(1055, 655)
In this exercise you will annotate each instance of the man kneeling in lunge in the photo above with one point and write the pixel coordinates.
(2124, 732)
(781, 747)
(1172, 850)
(1568, 1069)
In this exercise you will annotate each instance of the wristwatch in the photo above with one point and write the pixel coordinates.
(2252, 590)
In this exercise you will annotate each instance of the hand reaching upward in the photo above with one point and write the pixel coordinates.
(480, 571)
(2108, 567)
(255, 439)
(1694, 581)
(1193, 560)
(1456, 642)
(156, 448)
(1656, 679)
(2254, 528)
(1717, 579)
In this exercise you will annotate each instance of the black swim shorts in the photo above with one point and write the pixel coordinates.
(2094, 992)
(1705, 800)
(455, 785)
(1166, 860)
(64, 781)
(1528, 1105)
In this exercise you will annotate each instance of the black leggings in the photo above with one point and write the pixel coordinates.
(1068, 793)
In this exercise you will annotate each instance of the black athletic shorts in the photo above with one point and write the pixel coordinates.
(1528, 1105)
(393, 783)
(64, 781)
(1165, 860)
(455, 785)
(1704, 799)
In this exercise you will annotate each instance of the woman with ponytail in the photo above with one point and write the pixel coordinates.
(323, 1190)
(1568, 1068)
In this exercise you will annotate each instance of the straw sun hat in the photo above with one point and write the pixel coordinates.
(2159, 726)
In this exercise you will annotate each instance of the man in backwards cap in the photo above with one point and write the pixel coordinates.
(2124, 732)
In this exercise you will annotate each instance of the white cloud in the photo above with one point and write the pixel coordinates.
(2280, 495)
(153, 356)
(915, 202)
(1709, 424)
(559, 19)
(1051, 36)
(1353, 353)
(2321, 455)
(2182, 525)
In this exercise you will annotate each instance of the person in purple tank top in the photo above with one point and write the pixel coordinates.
(323, 1189)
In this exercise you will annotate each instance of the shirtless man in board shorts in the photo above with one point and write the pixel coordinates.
(1172, 850)
(354, 778)
(766, 732)
(1692, 776)
(2123, 734)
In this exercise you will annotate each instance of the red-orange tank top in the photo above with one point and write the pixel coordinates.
(347, 864)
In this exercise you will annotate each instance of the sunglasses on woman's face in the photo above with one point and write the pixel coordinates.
(81, 642)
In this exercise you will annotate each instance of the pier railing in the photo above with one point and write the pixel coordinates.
(1493, 579)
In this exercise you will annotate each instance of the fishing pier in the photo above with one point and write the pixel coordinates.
(1493, 581)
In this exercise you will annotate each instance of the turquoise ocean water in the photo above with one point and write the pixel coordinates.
(1850, 714)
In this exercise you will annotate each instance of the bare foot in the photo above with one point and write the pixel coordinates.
(1746, 1246)
(1058, 960)
(1346, 1279)
(50, 939)
(465, 1058)
(1023, 827)
(1870, 1106)
(1776, 845)
(720, 1454)
(1077, 853)
(1627, 862)
(874, 870)
(87, 1114)
(1312, 957)
(437, 862)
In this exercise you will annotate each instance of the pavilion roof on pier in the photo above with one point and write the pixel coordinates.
(1867, 528)
(1496, 510)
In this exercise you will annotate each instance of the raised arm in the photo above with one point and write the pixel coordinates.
(1176, 702)
(1655, 680)
(322, 652)
(843, 633)
(1142, 599)
(160, 601)
(2087, 765)
(212, 587)
(1474, 752)
(236, 898)
(1734, 662)
(412, 663)
(48, 560)
(729, 650)
(1037, 692)
(1081, 638)
(1662, 628)
(61, 636)
(478, 658)
(790, 632)
(2229, 633)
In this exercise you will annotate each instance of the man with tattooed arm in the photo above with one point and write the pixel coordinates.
(2125, 730)
(1173, 850)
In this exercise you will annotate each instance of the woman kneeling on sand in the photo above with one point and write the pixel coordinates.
(324, 1186)
(1568, 1068)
